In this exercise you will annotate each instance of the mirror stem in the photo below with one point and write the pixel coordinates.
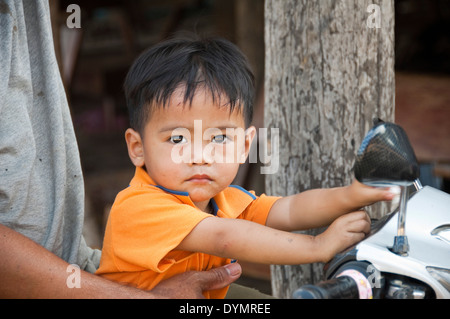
(401, 246)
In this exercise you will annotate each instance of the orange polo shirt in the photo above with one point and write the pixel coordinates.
(147, 222)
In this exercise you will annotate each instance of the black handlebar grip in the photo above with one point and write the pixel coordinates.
(343, 287)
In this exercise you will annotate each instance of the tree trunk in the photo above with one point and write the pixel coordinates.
(329, 70)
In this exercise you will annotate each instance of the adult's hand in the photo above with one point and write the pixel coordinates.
(191, 284)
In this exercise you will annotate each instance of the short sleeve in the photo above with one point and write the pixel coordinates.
(259, 209)
(146, 225)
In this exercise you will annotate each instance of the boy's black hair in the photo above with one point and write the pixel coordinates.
(212, 63)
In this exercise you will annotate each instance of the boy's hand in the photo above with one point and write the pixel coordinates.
(362, 195)
(345, 231)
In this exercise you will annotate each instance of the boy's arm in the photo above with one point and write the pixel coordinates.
(249, 241)
(319, 207)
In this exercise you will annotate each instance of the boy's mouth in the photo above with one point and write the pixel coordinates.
(200, 179)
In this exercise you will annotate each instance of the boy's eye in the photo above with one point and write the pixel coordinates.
(220, 139)
(177, 139)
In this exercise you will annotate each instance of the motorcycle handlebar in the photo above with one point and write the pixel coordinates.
(343, 287)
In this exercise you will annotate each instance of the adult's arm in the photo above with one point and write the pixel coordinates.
(27, 270)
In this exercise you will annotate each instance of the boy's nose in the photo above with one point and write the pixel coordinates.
(200, 155)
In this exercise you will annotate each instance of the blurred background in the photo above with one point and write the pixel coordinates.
(95, 58)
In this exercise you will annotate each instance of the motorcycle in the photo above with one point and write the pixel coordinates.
(407, 253)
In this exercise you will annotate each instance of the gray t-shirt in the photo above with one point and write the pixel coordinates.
(41, 181)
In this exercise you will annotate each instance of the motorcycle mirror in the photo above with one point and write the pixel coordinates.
(386, 157)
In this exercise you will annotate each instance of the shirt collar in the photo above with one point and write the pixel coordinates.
(230, 203)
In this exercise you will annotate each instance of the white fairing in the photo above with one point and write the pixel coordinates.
(427, 210)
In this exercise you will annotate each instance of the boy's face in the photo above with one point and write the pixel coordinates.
(192, 148)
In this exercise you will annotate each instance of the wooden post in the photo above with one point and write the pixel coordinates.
(329, 70)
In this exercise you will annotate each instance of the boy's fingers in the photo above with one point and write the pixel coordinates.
(360, 226)
(395, 194)
(359, 236)
(375, 194)
(357, 215)
(389, 193)
(358, 222)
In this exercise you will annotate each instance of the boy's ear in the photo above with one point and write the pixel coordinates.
(135, 147)
(250, 134)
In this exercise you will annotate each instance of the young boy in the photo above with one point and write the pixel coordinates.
(190, 105)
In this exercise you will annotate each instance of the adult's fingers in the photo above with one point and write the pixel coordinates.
(219, 277)
(192, 284)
